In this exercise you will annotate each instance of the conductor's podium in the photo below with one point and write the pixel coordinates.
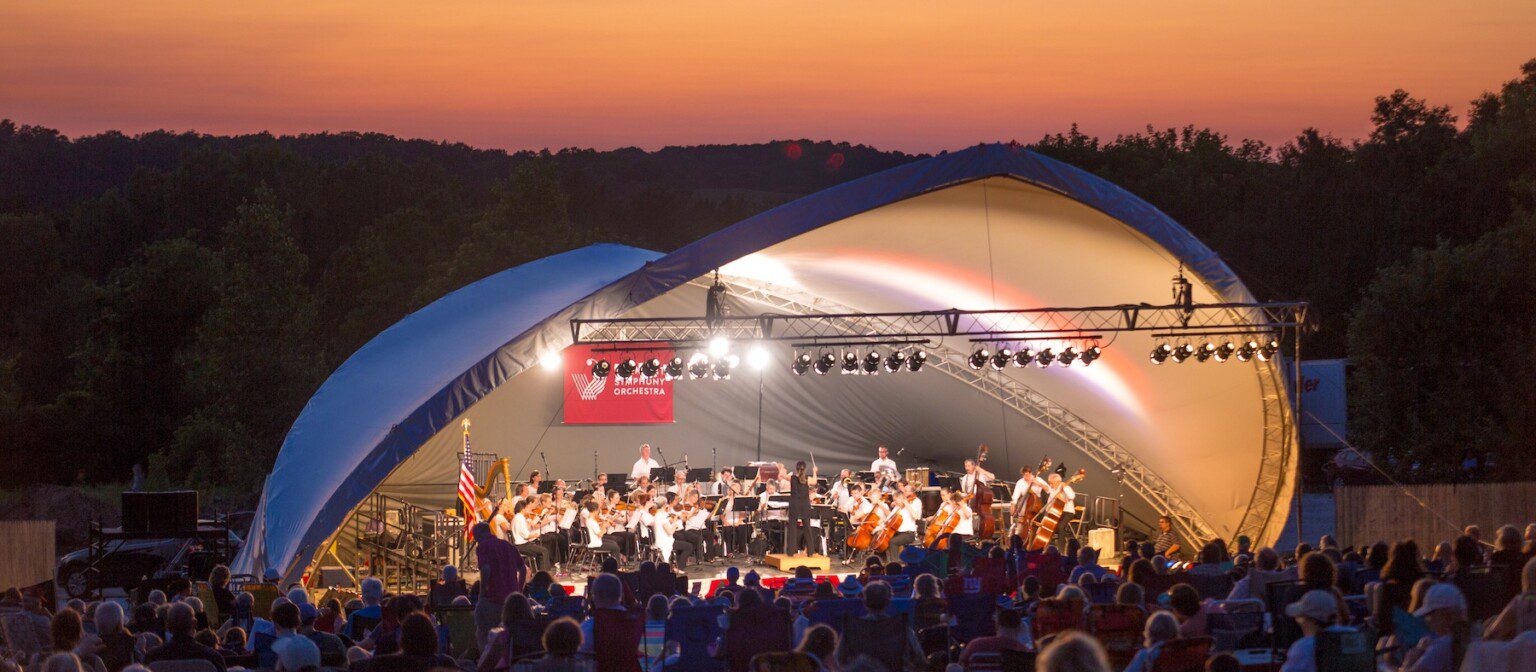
(787, 563)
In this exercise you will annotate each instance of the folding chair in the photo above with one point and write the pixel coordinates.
(1119, 628)
(694, 629)
(1279, 594)
(262, 595)
(460, 622)
(1053, 616)
(210, 605)
(1237, 624)
(1352, 651)
(1183, 655)
(973, 616)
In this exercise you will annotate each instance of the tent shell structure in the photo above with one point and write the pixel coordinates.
(993, 226)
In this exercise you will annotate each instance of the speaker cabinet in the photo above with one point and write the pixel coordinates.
(168, 513)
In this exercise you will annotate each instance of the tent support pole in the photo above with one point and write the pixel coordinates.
(760, 414)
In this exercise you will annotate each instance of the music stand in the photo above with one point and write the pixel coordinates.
(546, 487)
(700, 475)
(864, 476)
(662, 475)
(744, 472)
(616, 479)
(947, 481)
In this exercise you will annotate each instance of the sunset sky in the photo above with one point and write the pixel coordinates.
(914, 76)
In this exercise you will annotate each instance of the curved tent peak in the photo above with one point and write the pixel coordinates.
(410, 381)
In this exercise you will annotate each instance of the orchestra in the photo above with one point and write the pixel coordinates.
(765, 508)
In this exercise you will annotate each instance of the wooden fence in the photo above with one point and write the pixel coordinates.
(1367, 513)
(26, 553)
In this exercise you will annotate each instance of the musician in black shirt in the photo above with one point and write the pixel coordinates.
(798, 534)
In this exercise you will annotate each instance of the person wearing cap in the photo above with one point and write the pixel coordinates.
(1315, 612)
(1445, 612)
(296, 654)
(330, 646)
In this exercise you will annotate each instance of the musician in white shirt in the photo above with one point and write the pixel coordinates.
(1028, 483)
(525, 538)
(502, 521)
(885, 464)
(694, 527)
(974, 476)
(644, 465)
(911, 509)
(1055, 486)
(596, 539)
(958, 506)
(665, 528)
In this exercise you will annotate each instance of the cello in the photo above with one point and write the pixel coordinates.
(888, 527)
(1046, 528)
(864, 536)
(981, 500)
(1026, 509)
(943, 524)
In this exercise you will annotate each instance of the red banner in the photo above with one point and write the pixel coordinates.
(610, 399)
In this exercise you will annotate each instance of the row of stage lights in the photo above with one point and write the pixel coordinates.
(1000, 360)
(1206, 351)
(870, 365)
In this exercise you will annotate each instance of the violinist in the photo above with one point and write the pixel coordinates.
(695, 525)
(615, 527)
(525, 535)
(597, 538)
(501, 523)
(667, 523)
(911, 509)
(725, 484)
(679, 483)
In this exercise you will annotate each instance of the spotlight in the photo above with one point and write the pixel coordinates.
(1270, 349)
(850, 363)
(627, 368)
(698, 366)
(1092, 354)
(551, 361)
(675, 368)
(917, 360)
(1045, 357)
(718, 346)
(979, 358)
(1224, 351)
(825, 363)
(1000, 359)
(1205, 351)
(757, 357)
(1247, 350)
(872, 362)
(1069, 355)
(895, 360)
(1161, 353)
(1024, 357)
(802, 364)
(1182, 352)
(724, 365)
(600, 367)
(650, 368)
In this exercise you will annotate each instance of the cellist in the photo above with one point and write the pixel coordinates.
(911, 509)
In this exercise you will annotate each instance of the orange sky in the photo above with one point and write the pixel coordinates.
(916, 76)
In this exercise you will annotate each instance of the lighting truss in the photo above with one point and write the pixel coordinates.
(981, 325)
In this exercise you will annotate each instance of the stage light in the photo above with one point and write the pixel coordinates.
(872, 362)
(1270, 349)
(1161, 353)
(1247, 350)
(1068, 356)
(1205, 351)
(825, 363)
(1045, 358)
(698, 366)
(1024, 357)
(757, 357)
(718, 346)
(1224, 351)
(650, 368)
(675, 368)
(626, 368)
(979, 358)
(1092, 354)
(850, 363)
(724, 365)
(917, 360)
(551, 361)
(600, 367)
(802, 364)
(895, 360)
(1182, 352)
(1000, 359)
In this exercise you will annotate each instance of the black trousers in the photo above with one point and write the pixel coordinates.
(734, 538)
(682, 549)
(620, 542)
(798, 535)
(898, 542)
(694, 538)
(537, 551)
(555, 543)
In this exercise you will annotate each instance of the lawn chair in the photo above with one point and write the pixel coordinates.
(1053, 616)
(973, 616)
(262, 596)
(694, 629)
(1119, 628)
(1352, 651)
(1186, 654)
(1237, 624)
(460, 622)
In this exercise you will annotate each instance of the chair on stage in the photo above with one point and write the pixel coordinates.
(694, 629)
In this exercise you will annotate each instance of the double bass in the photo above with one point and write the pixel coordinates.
(981, 500)
(1046, 528)
(1027, 508)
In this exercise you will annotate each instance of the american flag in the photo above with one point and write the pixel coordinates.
(468, 500)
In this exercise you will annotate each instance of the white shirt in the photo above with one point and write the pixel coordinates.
(663, 538)
(594, 530)
(698, 520)
(774, 510)
(966, 515)
(521, 534)
(861, 511)
(643, 467)
(499, 526)
(909, 515)
(1024, 486)
(885, 464)
(1068, 494)
(968, 482)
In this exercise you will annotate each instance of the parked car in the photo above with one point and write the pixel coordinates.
(126, 564)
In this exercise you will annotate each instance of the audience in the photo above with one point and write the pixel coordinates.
(1520, 614)
(1073, 652)
(1161, 628)
(181, 625)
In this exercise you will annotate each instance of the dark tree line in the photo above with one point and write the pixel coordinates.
(176, 298)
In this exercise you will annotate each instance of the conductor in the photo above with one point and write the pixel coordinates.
(798, 535)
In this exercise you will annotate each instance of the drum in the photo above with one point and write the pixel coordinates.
(931, 498)
(767, 472)
(918, 478)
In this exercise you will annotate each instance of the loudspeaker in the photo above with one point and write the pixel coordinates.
(160, 512)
